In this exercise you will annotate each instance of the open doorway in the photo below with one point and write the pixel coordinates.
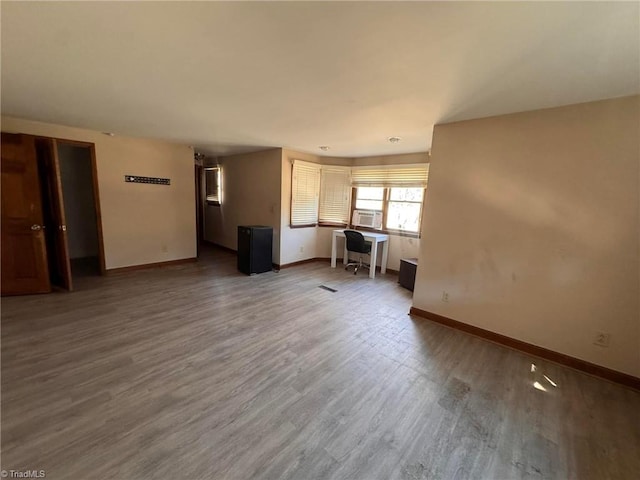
(78, 190)
(50, 214)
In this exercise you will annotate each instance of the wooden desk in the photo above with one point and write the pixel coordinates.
(374, 238)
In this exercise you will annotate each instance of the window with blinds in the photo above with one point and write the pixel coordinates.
(415, 175)
(335, 195)
(322, 193)
(305, 193)
(395, 190)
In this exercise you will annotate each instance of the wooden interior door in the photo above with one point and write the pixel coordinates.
(23, 252)
(55, 220)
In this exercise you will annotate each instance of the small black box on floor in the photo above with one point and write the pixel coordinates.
(254, 249)
(407, 275)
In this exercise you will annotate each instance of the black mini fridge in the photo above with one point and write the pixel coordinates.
(254, 249)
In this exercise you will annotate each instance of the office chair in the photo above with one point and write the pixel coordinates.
(357, 244)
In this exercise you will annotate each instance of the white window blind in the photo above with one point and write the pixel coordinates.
(305, 192)
(414, 175)
(335, 195)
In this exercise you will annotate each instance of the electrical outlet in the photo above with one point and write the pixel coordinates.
(164, 249)
(602, 339)
(301, 249)
(445, 296)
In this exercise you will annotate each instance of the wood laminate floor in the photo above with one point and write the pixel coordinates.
(199, 372)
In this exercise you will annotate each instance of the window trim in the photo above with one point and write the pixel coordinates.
(308, 225)
(332, 224)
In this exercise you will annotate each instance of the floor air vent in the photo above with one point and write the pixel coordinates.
(324, 287)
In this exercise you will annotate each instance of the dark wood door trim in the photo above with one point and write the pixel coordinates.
(61, 230)
(96, 199)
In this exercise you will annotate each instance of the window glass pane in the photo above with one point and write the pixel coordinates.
(404, 216)
(368, 204)
(407, 194)
(212, 184)
(369, 198)
(370, 193)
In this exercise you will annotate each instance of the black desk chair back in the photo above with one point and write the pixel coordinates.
(357, 244)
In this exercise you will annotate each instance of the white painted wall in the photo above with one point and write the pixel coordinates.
(80, 214)
(251, 196)
(141, 223)
(531, 224)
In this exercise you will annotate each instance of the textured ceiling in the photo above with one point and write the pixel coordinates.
(239, 76)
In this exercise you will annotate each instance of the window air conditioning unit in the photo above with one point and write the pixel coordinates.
(367, 218)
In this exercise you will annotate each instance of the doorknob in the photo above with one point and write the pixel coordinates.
(62, 228)
(35, 227)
